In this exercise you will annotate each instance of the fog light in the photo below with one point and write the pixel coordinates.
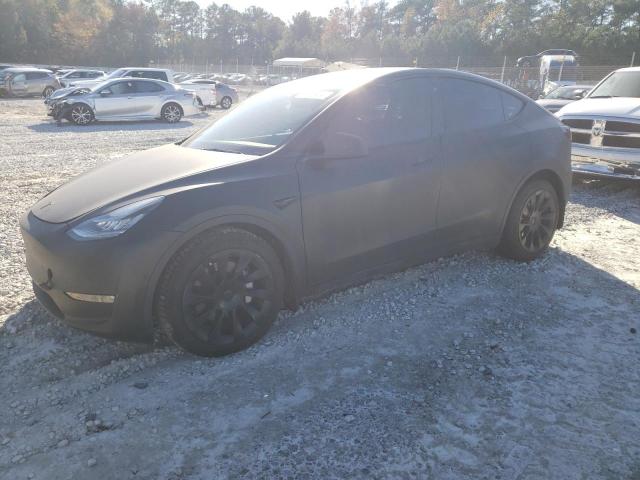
(84, 297)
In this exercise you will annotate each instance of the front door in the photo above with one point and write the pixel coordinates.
(116, 100)
(19, 84)
(365, 211)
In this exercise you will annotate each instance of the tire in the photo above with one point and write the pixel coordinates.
(81, 114)
(171, 113)
(46, 93)
(220, 293)
(226, 103)
(532, 221)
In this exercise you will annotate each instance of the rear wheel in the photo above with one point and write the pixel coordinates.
(220, 293)
(226, 103)
(81, 114)
(171, 113)
(532, 222)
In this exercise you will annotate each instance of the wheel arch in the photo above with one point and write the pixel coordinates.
(75, 104)
(294, 274)
(554, 179)
(169, 102)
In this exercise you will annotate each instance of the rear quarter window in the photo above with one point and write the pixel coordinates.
(511, 105)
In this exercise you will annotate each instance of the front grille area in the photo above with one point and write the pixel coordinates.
(616, 133)
(621, 142)
(578, 123)
(584, 138)
(623, 127)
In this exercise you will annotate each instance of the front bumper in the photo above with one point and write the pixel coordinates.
(620, 163)
(123, 267)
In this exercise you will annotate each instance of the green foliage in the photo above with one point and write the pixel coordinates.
(137, 32)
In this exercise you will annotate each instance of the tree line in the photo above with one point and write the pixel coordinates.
(423, 32)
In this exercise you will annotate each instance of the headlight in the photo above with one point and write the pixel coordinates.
(115, 222)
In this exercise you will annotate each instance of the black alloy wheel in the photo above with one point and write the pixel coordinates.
(221, 292)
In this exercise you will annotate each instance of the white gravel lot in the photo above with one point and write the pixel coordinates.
(469, 367)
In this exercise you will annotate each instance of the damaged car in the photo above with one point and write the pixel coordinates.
(123, 99)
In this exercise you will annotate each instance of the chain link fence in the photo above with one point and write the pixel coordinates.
(529, 80)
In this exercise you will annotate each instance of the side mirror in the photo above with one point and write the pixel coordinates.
(579, 95)
(540, 97)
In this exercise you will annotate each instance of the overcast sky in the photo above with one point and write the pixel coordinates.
(284, 9)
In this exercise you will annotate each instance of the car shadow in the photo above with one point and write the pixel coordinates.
(52, 127)
(600, 193)
(566, 280)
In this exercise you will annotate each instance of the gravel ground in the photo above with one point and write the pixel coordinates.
(467, 367)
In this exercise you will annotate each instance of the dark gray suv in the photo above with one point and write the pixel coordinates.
(306, 187)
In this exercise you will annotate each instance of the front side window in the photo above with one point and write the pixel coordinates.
(121, 88)
(618, 84)
(148, 87)
(386, 114)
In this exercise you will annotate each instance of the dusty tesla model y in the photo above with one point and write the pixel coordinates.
(309, 186)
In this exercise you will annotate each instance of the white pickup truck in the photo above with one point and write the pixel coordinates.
(605, 127)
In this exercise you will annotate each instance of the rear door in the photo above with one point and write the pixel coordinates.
(482, 150)
(35, 82)
(147, 97)
(363, 212)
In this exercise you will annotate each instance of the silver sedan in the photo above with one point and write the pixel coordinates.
(123, 99)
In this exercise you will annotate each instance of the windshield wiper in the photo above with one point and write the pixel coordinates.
(602, 96)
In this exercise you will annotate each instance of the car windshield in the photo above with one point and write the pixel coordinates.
(565, 93)
(266, 120)
(116, 73)
(618, 84)
(99, 86)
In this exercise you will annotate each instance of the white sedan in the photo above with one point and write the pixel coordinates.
(212, 93)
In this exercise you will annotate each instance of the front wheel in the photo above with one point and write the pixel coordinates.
(226, 103)
(171, 113)
(46, 93)
(220, 293)
(531, 223)
(81, 114)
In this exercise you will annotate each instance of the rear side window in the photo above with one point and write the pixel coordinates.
(470, 105)
(36, 75)
(148, 87)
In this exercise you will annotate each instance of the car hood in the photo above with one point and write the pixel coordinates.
(65, 92)
(553, 103)
(611, 107)
(117, 180)
(87, 83)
